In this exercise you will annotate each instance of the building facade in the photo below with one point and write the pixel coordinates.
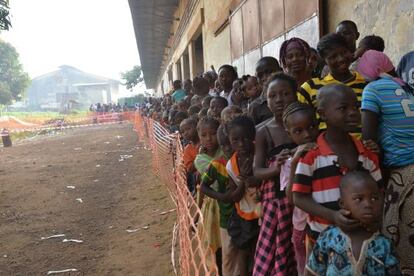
(179, 39)
(70, 87)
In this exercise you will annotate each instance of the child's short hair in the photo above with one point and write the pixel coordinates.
(194, 109)
(329, 42)
(177, 84)
(180, 116)
(296, 107)
(282, 76)
(352, 176)
(230, 68)
(246, 123)
(203, 112)
(373, 42)
(329, 90)
(349, 23)
(191, 121)
(221, 99)
(208, 121)
(207, 99)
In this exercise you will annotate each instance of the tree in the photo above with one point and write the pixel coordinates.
(13, 80)
(4, 15)
(132, 77)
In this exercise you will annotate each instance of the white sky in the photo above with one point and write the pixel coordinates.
(95, 36)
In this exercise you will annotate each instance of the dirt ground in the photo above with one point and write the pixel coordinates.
(36, 202)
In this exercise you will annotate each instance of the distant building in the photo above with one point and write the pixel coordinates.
(69, 88)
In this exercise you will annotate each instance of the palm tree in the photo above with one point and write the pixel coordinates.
(4, 15)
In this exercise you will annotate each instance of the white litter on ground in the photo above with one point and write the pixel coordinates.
(80, 200)
(146, 227)
(125, 156)
(70, 187)
(119, 137)
(77, 149)
(61, 271)
(52, 236)
(166, 212)
(98, 166)
(107, 142)
(72, 240)
(96, 180)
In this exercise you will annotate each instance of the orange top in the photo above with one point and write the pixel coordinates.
(189, 154)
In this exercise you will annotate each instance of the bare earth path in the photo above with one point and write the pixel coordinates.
(116, 195)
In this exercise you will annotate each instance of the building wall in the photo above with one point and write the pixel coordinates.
(216, 46)
(393, 20)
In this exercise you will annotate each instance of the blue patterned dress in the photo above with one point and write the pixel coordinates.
(332, 255)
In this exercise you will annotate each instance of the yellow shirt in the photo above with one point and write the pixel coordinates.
(311, 87)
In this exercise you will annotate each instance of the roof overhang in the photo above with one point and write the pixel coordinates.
(152, 24)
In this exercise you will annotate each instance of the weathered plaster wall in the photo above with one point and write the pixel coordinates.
(216, 48)
(393, 20)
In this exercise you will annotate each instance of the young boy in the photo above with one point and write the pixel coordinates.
(188, 130)
(217, 105)
(243, 227)
(333, 48)
(229, 113)
(318, 173)
(258, 109)
(214, 184)
(362, 251)
(349, 31)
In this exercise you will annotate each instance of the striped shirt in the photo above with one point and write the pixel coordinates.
(395, 110)
(309, 91)
(318, 173)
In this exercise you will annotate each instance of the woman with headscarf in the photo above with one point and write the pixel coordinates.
(294, 54)
(388, 119)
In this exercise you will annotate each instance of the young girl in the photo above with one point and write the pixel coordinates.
(363, 250)
(294, 55)
(300, 122)
(214, 184)
(209, 151)
(274, 252)
(243, 227)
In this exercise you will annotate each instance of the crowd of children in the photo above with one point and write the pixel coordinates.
(306, 168)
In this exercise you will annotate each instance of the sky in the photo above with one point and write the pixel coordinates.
(95, 36)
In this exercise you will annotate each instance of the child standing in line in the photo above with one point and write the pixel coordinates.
(243, 225)
(274, 252)
(300, 122)
(336, 53)
(188, 130)
(214, 184)
(363, 250)
(229, 113)
(209, 151)
(217, 105)
(318, 173)
(251, 89)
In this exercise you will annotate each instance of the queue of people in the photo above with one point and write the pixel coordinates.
(307, 167)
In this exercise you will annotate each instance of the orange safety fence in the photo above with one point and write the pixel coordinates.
(195, 258)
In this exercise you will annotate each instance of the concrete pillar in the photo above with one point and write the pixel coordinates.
(183, 75)
(175, 74)
(192, 59)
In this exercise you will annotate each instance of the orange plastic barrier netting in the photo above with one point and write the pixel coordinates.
(195, 258)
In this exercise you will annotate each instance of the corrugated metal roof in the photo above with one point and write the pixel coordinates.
(152, 24)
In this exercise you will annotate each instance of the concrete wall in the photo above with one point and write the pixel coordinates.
(393, 20)
(216, 47)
